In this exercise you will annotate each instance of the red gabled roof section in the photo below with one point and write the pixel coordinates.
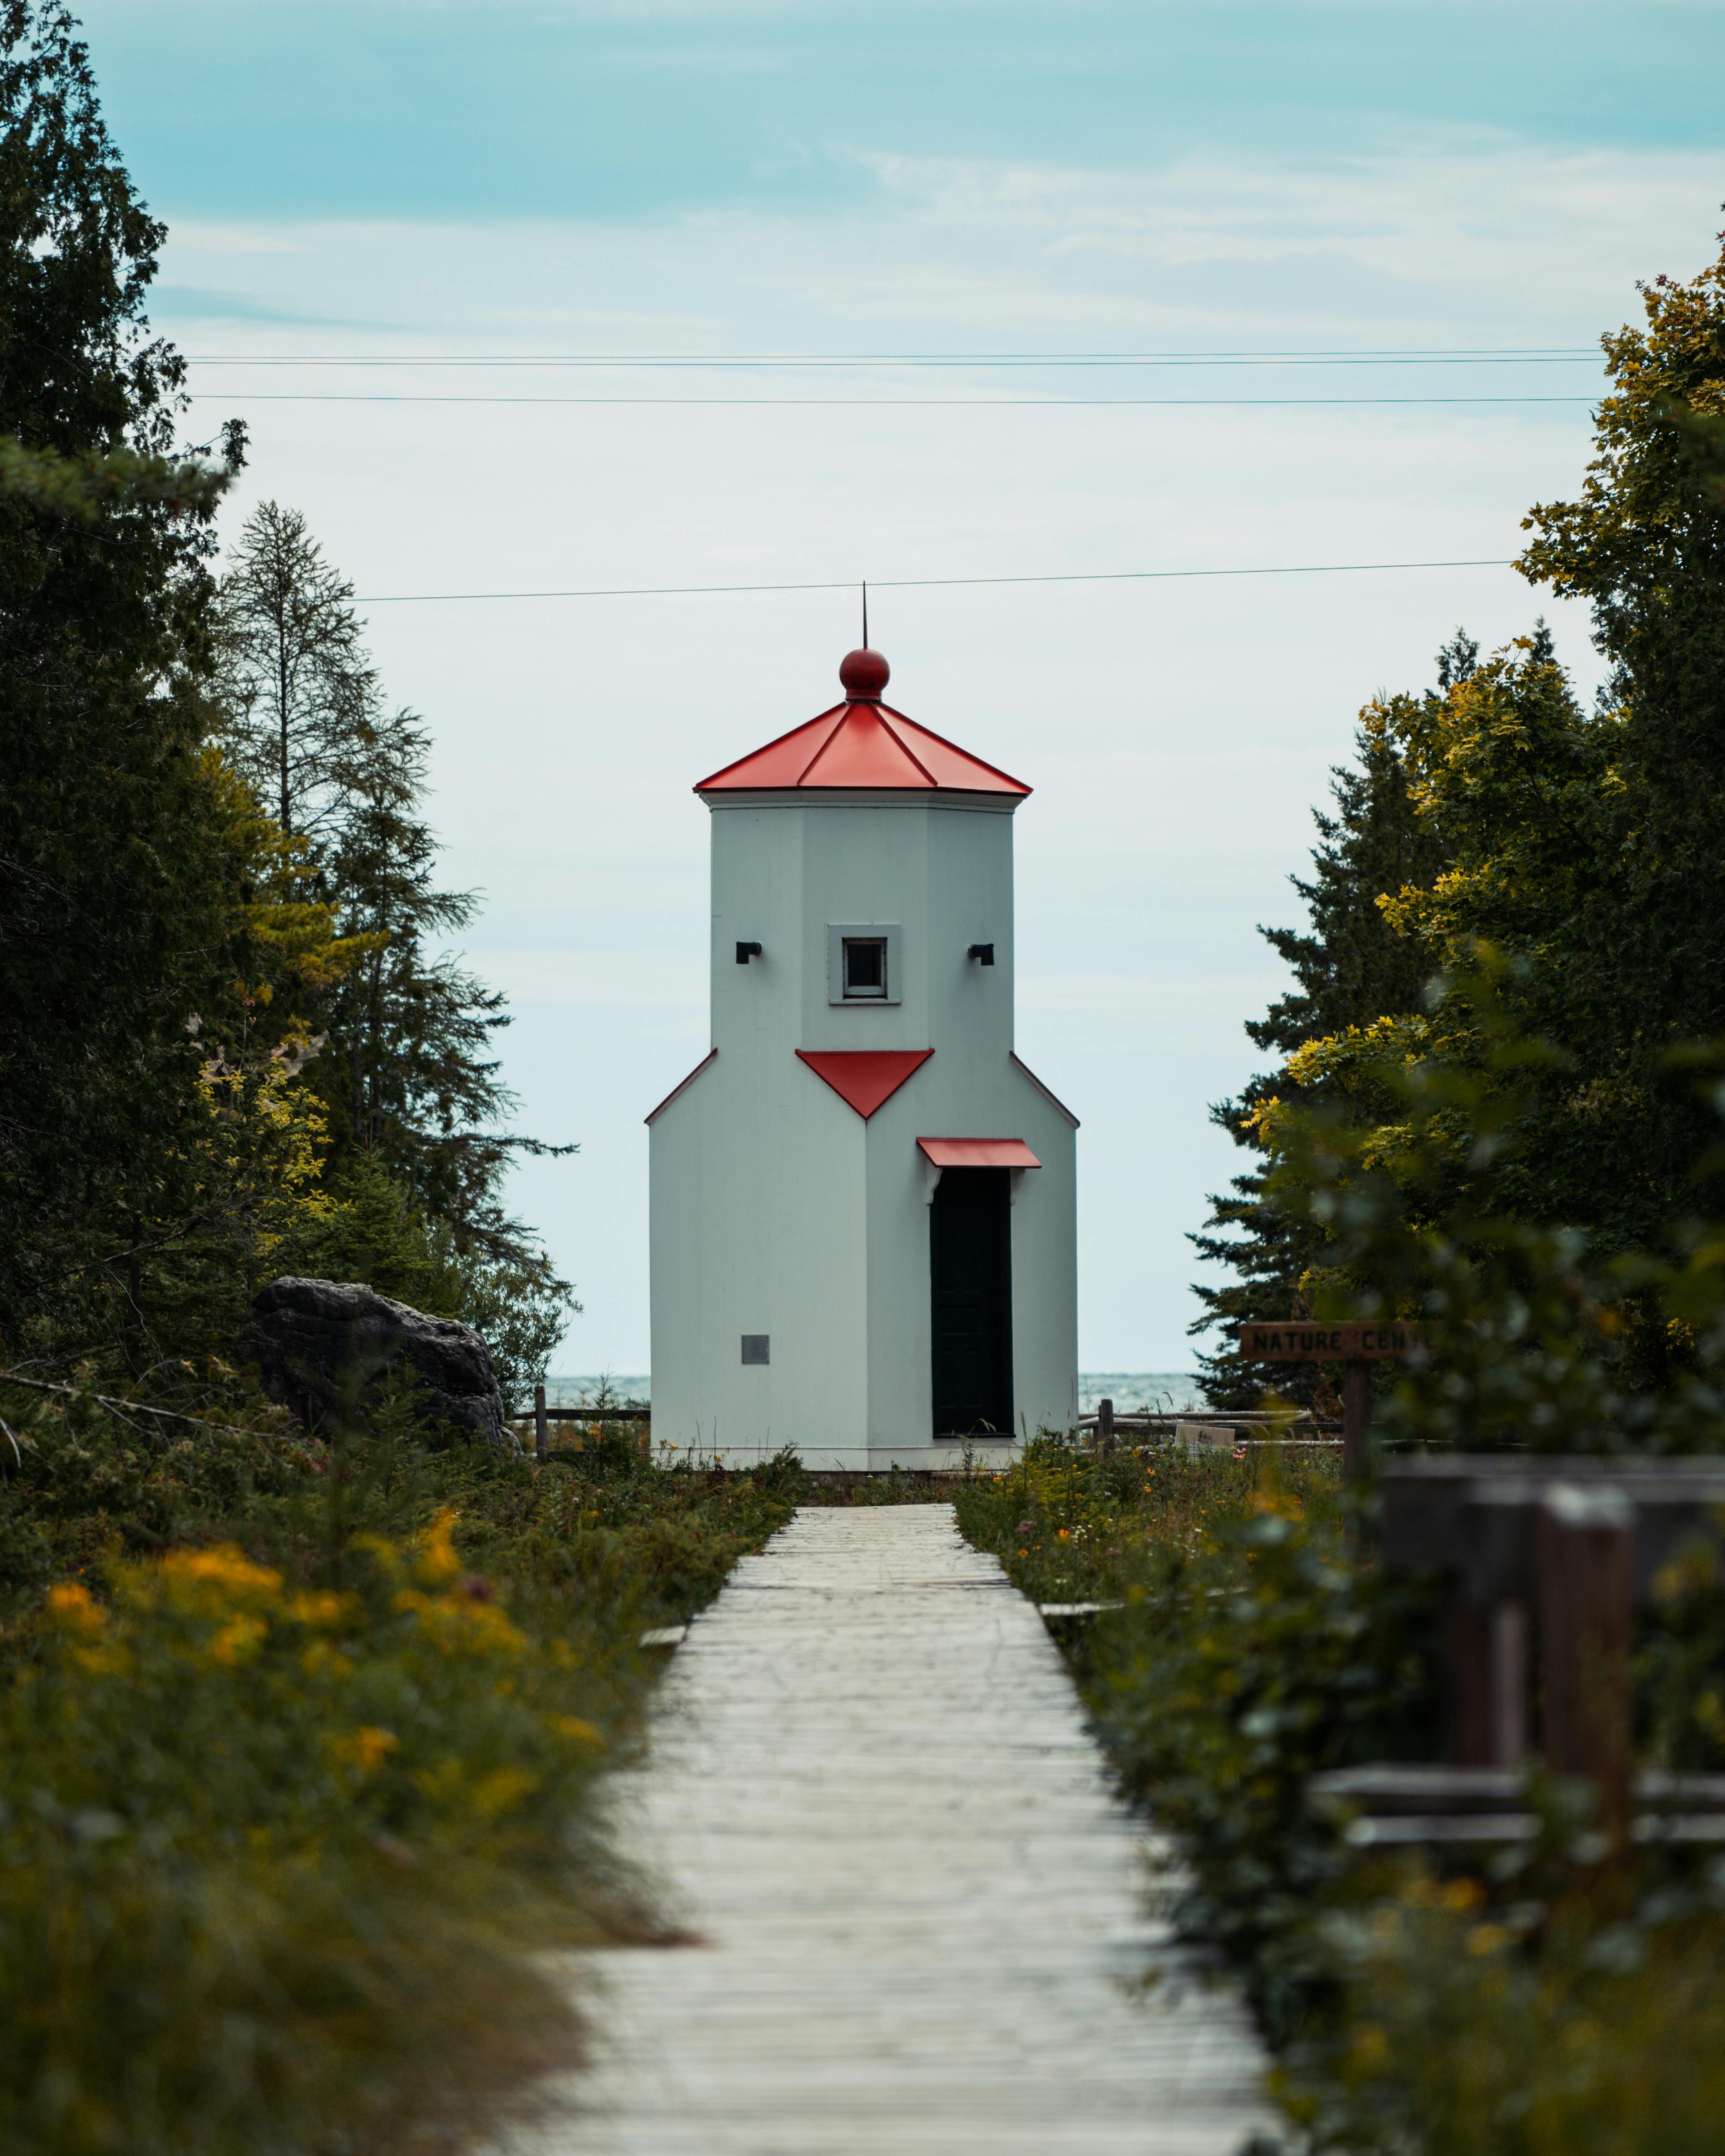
(711, 1056)
(863, 1078)
(862, 745)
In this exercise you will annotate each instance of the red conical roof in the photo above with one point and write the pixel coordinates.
(862, 743)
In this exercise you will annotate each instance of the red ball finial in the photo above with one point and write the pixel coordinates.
(864, 674)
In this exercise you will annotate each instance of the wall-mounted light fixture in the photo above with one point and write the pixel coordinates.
(983, 953)
(745, 952)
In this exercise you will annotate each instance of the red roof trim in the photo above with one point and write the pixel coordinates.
(1053, 1099)
(711, 1056)
(977, 1153)
(864, 1078)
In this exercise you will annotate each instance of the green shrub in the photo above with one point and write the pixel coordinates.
(297, 1751)
(1470, 2031)
(1537, 2010)
(79, 1483)
(269, 1854)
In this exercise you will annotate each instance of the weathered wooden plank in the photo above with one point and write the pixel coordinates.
(872, 1794)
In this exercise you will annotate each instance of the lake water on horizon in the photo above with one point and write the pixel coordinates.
(1128, 1390)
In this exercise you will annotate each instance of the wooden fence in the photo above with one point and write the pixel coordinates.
(1544, 1561)
(542, 1417)
(1222, 1427)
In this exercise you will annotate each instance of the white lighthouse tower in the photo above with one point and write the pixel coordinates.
(863, 1203)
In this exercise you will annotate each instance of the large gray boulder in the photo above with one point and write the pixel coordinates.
(325, 1348)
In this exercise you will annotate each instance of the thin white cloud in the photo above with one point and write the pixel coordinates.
(1177, 735)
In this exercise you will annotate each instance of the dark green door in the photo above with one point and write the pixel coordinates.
(970, 1266)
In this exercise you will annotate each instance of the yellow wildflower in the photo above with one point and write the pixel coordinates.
(366, 1748)
(501, 1790)
(238, 1639)
(74, 1608)
(388, 1555)
(226, 1566)
(572, 1726)
(435, 1561)
(454, 1622)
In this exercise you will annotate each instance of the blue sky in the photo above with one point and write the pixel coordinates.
(301, 108)
(402, 183)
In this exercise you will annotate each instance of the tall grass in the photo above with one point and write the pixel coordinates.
(298, 1750)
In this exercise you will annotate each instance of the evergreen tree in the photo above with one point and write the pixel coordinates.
(1350, 964)
(1581, 912)
(409, 1079)
(168, 952)
(1351, 967)
(113, 922)
(303, 709)
(413, 1030)
(1643, 952)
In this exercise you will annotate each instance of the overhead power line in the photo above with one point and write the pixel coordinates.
(1548, 355)
(927, 583)
(861, 404)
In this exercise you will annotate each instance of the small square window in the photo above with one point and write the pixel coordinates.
(865, 964)
(755, 1346)
(866, 968)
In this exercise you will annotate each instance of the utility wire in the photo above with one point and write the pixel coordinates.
(863, 403)
(722, 361)
(925, 583)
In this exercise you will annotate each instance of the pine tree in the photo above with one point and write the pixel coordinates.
(1643, 959)
(167, 950)
(1351, 967)
(408, 1077)
(113, 877)
(303, 709)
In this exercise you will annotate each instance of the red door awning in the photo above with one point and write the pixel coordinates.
(979, 1153)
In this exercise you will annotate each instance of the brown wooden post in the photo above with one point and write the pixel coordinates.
(1485, 1670)
(1509, 1684)
(1356, 1418)
(1584, 1566)
(1105, 1425)
(1467, 1673)
(541, 1428)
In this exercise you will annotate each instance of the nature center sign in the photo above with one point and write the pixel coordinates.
(1301, 1342)
(1354, 1344)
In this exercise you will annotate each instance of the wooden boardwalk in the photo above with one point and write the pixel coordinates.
(872, 1795)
